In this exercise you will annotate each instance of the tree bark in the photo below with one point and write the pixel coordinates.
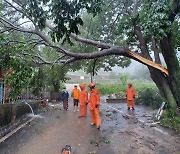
(172, 65)
(160, 79)
(56, 86)
(163, 86)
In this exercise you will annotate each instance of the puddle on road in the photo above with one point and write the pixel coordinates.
(131, 133)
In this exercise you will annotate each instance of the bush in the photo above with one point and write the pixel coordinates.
(150, 97)
(171, 119)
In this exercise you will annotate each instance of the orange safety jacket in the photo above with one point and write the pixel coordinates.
(130, 93)
(94, 99)
(83, 97)
(75, 92)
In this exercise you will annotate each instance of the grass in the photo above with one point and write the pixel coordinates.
(117, 87)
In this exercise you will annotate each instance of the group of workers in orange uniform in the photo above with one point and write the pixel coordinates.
(81, 98)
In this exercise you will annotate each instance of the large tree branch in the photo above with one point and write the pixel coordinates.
(21, 29)
(91, 42)
(118, 51)
(108, 49)
(147, 62)
(38, 59)
(112, 50)
(175, 10)
(20, 10)
(84, 40)
(142, 41)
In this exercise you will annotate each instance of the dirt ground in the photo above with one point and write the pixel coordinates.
(122, 132)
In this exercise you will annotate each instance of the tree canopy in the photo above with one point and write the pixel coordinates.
(122, 28)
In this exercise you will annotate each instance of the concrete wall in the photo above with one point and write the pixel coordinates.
(10, 112)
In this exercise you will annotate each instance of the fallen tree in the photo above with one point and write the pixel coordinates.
(67, 19)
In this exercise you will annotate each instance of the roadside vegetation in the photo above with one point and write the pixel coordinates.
(171, 119)
(117, 87)
(148, 95)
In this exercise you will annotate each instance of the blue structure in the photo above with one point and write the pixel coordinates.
(1, 93)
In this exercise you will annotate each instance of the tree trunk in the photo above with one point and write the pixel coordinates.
(157, 76)
(91, 76)
(56, 86)
(172, 65)
(161, 82)
(56, 94)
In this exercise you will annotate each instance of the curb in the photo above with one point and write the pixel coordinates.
(15, 130)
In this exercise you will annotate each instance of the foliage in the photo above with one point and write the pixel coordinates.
(20, 77)
(21, 70)
(123, 78)
(171, 119)
(150, 97)
(38, 81)
(65, 14)
(176, 31)
(55, 76)
(108, 89)
(118, 22)
(49, 77)
(154, 18)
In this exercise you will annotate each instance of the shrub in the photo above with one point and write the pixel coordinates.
(171, 119)
(150, 97)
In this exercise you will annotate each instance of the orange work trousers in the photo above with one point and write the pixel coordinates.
(130, 103)
(96, 119)
(83, 110)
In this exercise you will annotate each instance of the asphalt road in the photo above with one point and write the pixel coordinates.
(122, 132)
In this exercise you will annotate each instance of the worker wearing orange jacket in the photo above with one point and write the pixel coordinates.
(94, 101)
(75, 94)
(130, 96)
(83, 100)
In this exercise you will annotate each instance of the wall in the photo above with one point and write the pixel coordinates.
(11, 112)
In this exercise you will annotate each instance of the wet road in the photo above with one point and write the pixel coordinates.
(122, 132)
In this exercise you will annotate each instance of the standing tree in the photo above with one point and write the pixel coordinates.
(145, 26)
(123, 79)
(17, 70)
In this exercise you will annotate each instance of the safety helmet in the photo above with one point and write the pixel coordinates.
(91, 85)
